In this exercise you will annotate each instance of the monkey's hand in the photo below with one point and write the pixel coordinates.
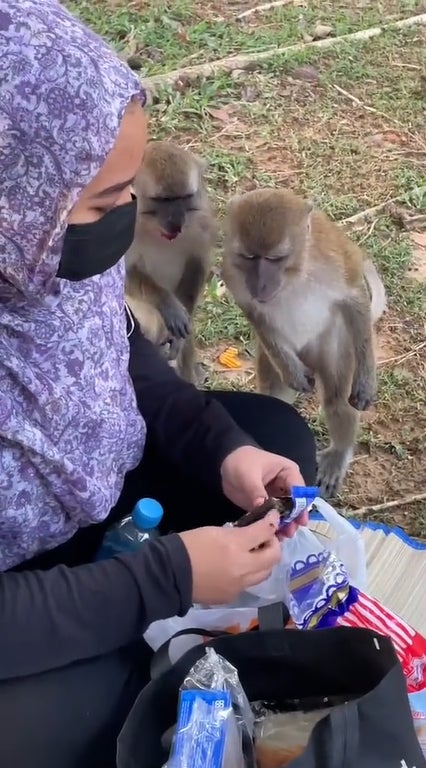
(175, 316)
(364, 391)
(300, 378)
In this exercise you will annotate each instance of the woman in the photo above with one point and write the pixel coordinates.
(84, 430)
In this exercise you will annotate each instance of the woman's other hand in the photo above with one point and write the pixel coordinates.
(250, 475)
(225, 561)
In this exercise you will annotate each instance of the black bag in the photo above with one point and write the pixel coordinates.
(320, 668)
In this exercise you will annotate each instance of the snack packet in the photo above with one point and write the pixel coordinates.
(321, 594)
(206, 732)
(215, 721)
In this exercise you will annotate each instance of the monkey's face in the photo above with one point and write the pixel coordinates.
(267, 240)
(168, 214)
(264, 275)
(168, 187)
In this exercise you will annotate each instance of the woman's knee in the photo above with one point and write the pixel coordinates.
(276, 426)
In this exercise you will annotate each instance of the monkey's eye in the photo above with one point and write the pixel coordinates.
(278, 258)
(246, 256)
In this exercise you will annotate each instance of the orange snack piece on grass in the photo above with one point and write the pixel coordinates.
(229, 358)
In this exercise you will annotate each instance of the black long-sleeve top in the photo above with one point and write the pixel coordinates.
(51, 618)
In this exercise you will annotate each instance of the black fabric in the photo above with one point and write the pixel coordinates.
(373, 729)
(70, 716)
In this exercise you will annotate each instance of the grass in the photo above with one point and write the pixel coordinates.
(172, 34)
(350, 136)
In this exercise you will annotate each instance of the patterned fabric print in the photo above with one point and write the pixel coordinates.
(69, 425)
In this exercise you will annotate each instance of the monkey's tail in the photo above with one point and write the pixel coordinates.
(377, 289)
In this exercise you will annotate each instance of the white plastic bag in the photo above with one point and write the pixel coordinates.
(347, 545)
(224, 619)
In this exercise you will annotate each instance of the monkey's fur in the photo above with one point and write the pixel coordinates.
(169, 260)
(313, 300)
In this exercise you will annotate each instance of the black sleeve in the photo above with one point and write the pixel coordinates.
(51, 618)
(190, 428)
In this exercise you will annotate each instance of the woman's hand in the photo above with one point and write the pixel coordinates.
(250, 475)
(225, 561)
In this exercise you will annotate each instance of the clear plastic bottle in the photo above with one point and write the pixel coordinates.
(128, 534)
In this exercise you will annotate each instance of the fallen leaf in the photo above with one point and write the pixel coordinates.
(221, 113)
(305, 72)
(322, 31)
(182, 35)
(392, 137)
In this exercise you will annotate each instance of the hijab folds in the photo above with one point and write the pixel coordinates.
(69, 425)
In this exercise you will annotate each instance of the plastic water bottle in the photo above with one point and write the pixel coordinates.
(128, 534)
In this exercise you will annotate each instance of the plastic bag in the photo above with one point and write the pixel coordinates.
(226, 619)
(346, 553)
(282, 737)
(206, 734)
(241, 616)
(215, 722)
(418, 709)
(325, 587)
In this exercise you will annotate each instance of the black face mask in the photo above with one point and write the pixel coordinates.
(90, 249)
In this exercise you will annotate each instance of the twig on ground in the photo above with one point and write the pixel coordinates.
(375, 111)
(389, 504)
(369, 213)
(247, 61)
(262, 8)
(405, 356)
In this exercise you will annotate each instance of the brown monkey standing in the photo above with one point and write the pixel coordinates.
(313, 300)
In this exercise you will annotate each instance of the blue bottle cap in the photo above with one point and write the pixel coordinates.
(147, 514)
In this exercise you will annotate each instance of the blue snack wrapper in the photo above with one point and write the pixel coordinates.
(303, 498)
(206, 733)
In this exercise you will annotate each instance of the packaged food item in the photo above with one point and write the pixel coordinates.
(215, 722)
(417, 701)
(280, 738)
(321, 593)
(290, 507)
(206, 732)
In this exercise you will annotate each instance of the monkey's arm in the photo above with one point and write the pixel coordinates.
(172, 311)
(187, 426)
(293, 371)
(192, 281)
(357, 317)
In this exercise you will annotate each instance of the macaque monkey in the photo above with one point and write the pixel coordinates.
(169, 260)
(313, 300)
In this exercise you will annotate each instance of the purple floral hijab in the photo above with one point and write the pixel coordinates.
(69, 426)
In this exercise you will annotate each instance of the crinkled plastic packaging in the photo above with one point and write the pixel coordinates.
(321, 594)
(282, 737)
(215, 721)
(417, 701)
